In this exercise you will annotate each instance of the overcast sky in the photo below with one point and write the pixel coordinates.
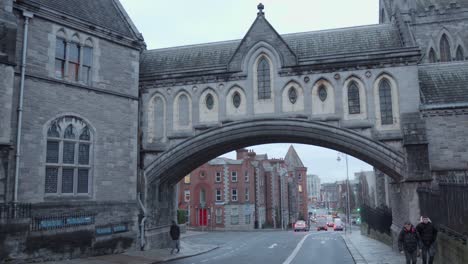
(165, 23)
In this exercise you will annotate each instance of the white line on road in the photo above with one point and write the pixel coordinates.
(273, 246)
(296, 250)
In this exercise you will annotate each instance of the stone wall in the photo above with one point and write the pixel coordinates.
(57, 231)
(450, 250)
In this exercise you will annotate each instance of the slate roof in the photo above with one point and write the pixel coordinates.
(224, 161)
(292, 159)
(103, 13)
(423, 5)
(444, 83)
(304, 45)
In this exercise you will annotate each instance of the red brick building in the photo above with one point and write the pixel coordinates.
(248, 192)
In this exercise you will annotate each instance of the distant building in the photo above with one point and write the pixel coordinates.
(313, 188)
(329, 195)
(249, 192)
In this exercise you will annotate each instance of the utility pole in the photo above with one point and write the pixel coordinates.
(348, 213)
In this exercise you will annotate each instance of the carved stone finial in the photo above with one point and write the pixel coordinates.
(260, 8)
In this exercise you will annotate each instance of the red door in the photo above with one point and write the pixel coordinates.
(203, 216)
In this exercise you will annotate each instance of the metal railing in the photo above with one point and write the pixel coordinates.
(62, 221)
(15, 210)
(447, 207)
(379, 219)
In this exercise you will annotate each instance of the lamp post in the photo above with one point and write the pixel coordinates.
(348, 218)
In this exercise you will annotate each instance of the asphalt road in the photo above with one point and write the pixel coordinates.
(282, 247)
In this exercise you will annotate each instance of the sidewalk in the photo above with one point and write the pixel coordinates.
(146, 257)
(366, 250)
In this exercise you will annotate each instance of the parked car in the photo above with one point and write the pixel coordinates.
(300, 225)
(338, 225)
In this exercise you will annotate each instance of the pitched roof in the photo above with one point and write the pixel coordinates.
(103, 13)
(292, 159)
(444, 83)
(423, 5)
(304, 45)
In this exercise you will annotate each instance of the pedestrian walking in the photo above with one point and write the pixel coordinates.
(175, 235)
(409, 242)
(428, 234)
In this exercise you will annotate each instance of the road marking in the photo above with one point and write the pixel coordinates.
(296, 250)
(273, 246)
(323, 242)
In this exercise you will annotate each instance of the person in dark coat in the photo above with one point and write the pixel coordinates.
(175, 235)
(409, 242)
(428, 234)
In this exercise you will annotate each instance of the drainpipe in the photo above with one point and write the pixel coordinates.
(27, 16)
(143, 220)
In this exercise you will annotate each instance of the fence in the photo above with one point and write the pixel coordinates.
(379, 219)
(15, 211)
(447, 207)
(61, 221)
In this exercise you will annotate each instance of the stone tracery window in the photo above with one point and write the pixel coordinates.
(445, 49)
(354, 106)
(60, 50)
(292, 94)
(385, 98)
(68, 157)
(263, 79)
(322, 92)
(236, 99)
(184, 119)
(209, 101)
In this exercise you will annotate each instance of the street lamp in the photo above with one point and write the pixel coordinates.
(348, 218)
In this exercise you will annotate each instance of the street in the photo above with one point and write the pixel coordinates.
(286, 247)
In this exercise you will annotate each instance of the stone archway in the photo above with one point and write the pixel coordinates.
(173, 164)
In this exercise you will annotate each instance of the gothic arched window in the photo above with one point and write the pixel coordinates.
(432, 56)
(459, 55)
(184, 119)
(445, 49)
(159, 117)
(68, 157)
(385, 98)
(263, 79)
(354, 105)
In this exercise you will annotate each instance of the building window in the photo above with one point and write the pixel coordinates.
(247, 194)
(87, 63)
(202, 197)
(218, 195)
(187, 179)
(385, 97)
(218, 176)
(202, 174)
(263, 79)
(247, 219)
(445, 49)
(187, 196)
(234, 195)
(68, 157)
(299, 188)
(184, 119)
(353, 98)
(292, 94)
(236, 99)
(299, 176)
(234, 216)
(60, 50)
(209, 101)
(233, 176)
(246, 176)
(74, 61)
(219, 216)
(432, 56)
(459, 55)
(322, 92)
